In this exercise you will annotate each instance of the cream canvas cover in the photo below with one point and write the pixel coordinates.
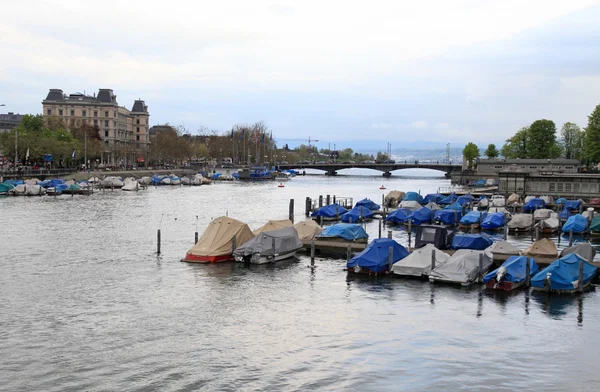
(393, 198)
(308, 230)
(520, 221)
(542, 213)
(273, 225)
(514, 198)
(411, 205)
(217, 239)
(504, 248)
(543, 247)
(418, 263)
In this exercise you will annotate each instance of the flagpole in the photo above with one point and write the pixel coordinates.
(85, 148)
(16, 150)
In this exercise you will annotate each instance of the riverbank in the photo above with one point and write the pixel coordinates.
(80, 176)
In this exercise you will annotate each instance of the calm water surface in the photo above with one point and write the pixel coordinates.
(86, 304)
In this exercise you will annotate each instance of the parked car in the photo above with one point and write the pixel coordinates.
(369, 162)
(389, 161)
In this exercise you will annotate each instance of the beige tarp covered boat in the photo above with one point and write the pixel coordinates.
(216, 243)
(393, 198)
(514, 198)
(521, 222)
(308, 230)
(542, 248)
(273, 225)
(504, 248)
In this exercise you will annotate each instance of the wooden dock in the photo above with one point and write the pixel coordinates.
(335, 246)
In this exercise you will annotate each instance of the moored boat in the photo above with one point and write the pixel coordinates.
(471, 241)
(511, 274)
(331, 212)
(420, 262)
(493, 221)
(357, 214)
(464, 267)
(269, 246)
(520, 223)
(563, 275)
(375, 259)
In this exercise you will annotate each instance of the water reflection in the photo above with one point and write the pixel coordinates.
(558, 306)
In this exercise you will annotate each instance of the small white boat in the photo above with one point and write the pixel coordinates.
(165, 181)
(283, 176)
(131, 185)
(111, 182)
(185, 180)
(145, 181)
(498, 201)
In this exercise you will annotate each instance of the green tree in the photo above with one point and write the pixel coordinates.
(541, 140)
(381, 157)
(572, 140)
(516, 146)
(470, 153)
(491, 152)
(592, 137)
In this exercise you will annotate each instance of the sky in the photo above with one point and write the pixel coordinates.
(357, 74)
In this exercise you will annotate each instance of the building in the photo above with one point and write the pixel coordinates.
(124, 132)
(570, 186)
(9, 121)
(156, 129)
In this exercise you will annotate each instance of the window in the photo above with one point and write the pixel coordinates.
(72, 113)
(497, 167)
(115, 114)
(60, 112)
(138, 129)
(105, 114)
(137, 121)
(576, 187)
(552, 187)
(568, 187)
(106, 123)
(559, 187)
(137, 137)
(49, 112)
(95, 113)
(96, 122)
(106, 133)
(83, 113)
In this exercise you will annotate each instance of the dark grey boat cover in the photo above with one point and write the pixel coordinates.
(583, 249)
(286, 241)
(462, 266)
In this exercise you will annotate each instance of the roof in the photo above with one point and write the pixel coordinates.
(55, 94)
(558, 161)
(139, 106)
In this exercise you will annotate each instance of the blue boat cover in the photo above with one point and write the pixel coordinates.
(573, 205)
(578, 223)
(413, 196)
(454, 206)
(398, 216)
(370, 204)
(534, 204)
(564, 272)
(375, 257)
(493, 220)
(515, 267)
(560, 200)
(472, 217)
(420, 216)
(330, 211)
(564, 214)
(449, 199)
(433, 197)
(447, 217)
(471, 241)
(480, 183)
(464, 200)
(357, 214)
(346, 231)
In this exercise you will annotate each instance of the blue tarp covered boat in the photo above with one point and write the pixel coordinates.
(375, 258)
(480, 183)
(573, 205)
(511, 274)
(494, 220)
(534, 204)
(449, 199)
(471, 241)
(447, 217)
(421, 216)
(560, 200)
(472, 218)
(357, 214)
(564, 214)
(563, 274)
(398, 216)
(454, 206)
(433, 197)
(370, 204)
(346, 231)
(331, 212)
(413, 196)
(577, 223)
(464, 200)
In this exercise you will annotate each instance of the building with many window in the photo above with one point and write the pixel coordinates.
(124, 132)
(9, 121)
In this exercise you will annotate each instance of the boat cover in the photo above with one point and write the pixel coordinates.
(521, 221)
(413, 196)
(492, 221)
(464, 200)
(5, 187)
(447, 217)
(595, 225)
(541, 248)
(480, 183)
(560, 200)
(217, 239)
(471, 241)
(514, 198)
(515, 269)
(500, 209)
(433, 206)
(398, 216)
(346, 231)
(439, 236)
(504, 248)
(542, 213)
(563, 274)
(418, 263)
(449, 199)
(286, 241)
(550, 223)
(587, 214)
(547, 199)
(583, 249)
(595, 201)
(420, 216)
(462, 266)
(576, 223)
(472, 217)
(273, 225)
(331, 211)
(393, 198)
(483, 202)
(433, 197)
(454, 207)
(573, 205)
(375, 257)
(308, 230)
(534, 204)
(357, 214)
(411, 205)
(370, 204)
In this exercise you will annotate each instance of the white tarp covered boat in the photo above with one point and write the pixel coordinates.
(521, 222)
(111, 182)
(549, 225)
(502, 250)
(541, 214)
(269, 246)
(130, 184)
(462, 267)
(410, 204)
(418, 263)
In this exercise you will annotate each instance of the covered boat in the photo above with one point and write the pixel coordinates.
(413, 196)
(216, 243)
(471, 241)
(421, 216)
(513, 199)
(308, 230)
(420, 261)
(595, 225)
(410, 204)
(5, 188)
(502, 250)
(493, 221)
(357, 214)
(329, 213)
(498, 201)
(393, 198)
(345, 231)
(483, 203)
(472, 218)
(534, 204)
(595, 201)
(520, 222)
(375, 257)
(370, 204)
(111, 182)
(447, 217)
(511, 274)
(185, 180)
(465, 200)
(175, 180)
(398, 216)
(269, 246)
(433, 206)
(454, 207)
(573, 205)
(576, 224)
(433, 198)
(583, 249)
(563, 275)
(542, 249)
(541, 214)
(273, 225)
(549, 200)
(462, 267)
(560, 201)
(450, 199)
(548, 226)
(438, 236)
(130, 185)
(564, 214)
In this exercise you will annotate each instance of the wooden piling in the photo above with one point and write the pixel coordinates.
(273, 247)
(472, 228)
(480, 267)
(158, 242)
(321, 220)
(580, 287)
(432, 259)
(571, 237)
(320, 201)
(505, 231)
(380, 224)
(233, 244)
(312, 252)
(348, 252)
(291, 211)
(307, 206)
(328, 200)
(195, 238)
(333, 199)
(527, 272)
(409, 233)
(389, 234)
(390, 259)
(537, 233)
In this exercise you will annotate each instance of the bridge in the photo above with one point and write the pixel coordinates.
(387, 168)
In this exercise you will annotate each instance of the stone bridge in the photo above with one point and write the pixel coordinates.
(387, 168)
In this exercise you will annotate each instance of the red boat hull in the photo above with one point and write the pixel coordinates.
(206, 259)
(504, 285)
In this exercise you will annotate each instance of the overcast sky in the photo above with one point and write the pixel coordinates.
(443, 71)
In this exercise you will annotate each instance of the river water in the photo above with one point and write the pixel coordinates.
(86, 304)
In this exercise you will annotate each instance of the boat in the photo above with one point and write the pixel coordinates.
(283, 176)
(548, 226)
(433, 198)
(438, 236)
(165, 181)
(199, 179)
(269, 246)
(94, 180)
(419, 217)
(576, 224)
(6, 188)
(308, 230)
(375, 259)
(111, 182)
(465, 199)
(463, 267)
(549, 200)
(497, 201)
(412, 205)
(256, 173)
(493, 221)
(573, 205)
(471, 220)
(433, 206)
(534, 204)
(502, 210)
(562, 276)
(56, 189)
(520, 222)
(483, 203)
(420, 261)
(471, 241)
(446, 217)
(450, 199)
(398, 216)
(541, 214)
(273, 225)
(344, 232)
(542, 250)
(331, 212)
(393, 198)
(583, 249)
(185, 180)
(454, 207)
(511, 274)
(145, 181)
(367, 203)
(216, 243)
(130, 185)
(357, 214)
(594, 228)
(502, 250)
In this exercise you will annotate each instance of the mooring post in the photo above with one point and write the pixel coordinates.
(472, 228)
(390, 259)
(559, 229)
(480, 267)
(233, 244)
(463, 210)
(337, 213)
(291, 212)
(505, 231)
(307, 205)
(571, 237)
(580, 287)
(527, 272)
(409, 233)
(320, 201)
(158, 242)
(348, 252)
(328, 200)
(389, 234)
(321, 220)
(195, 238)
(380, 224)
(537, 233)
(333, 199)
(455, 218)
(273, 247)
(432, 259)
(312, 252)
